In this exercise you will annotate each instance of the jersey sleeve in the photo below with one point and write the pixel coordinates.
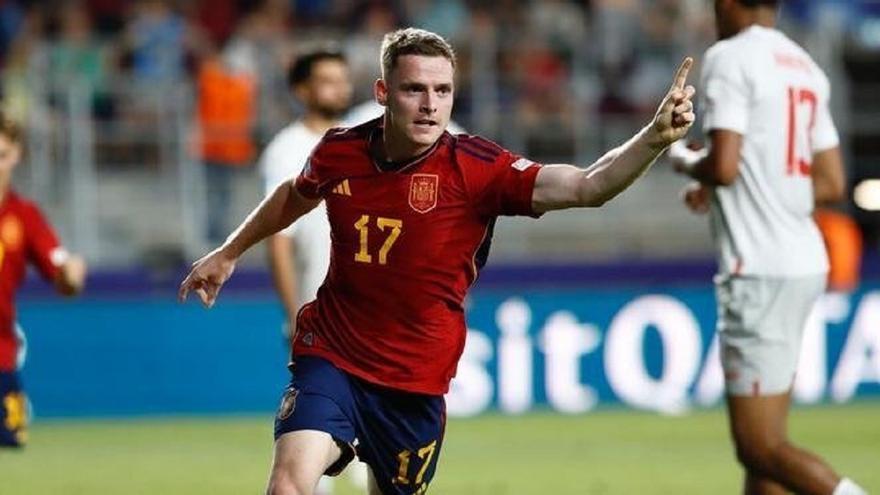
(500, 182)
(317, 176)
(726, 92)
(309, 181)
(43, 248)
(825, 134)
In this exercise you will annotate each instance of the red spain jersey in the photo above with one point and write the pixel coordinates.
(408, 240)
(25, 236)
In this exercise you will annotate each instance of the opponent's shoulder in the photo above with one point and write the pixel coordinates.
(733, 60)
(284, 139)
(809, 63)
(724, 53)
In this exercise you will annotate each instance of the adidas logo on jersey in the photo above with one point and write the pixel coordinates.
(343, 188)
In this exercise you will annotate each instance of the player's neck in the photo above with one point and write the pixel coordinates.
(398, 148)
(764, 17)
(318, 123)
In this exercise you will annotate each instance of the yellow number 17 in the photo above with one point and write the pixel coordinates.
(363, 255)
(425, 453)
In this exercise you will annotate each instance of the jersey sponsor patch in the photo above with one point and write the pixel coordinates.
(522, 164)
(288, 403)
(423, 192)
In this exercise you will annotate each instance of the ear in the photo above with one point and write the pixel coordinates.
(380, 91)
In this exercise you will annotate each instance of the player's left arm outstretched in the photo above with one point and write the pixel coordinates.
(566, 186)
(277, 211)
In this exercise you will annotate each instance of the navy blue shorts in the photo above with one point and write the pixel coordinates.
(14, 411)
(398, 434)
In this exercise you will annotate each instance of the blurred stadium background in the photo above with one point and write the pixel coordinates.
(579, 318)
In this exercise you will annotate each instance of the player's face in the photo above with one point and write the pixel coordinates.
(418, 95)
(328, 89)
(10, 154)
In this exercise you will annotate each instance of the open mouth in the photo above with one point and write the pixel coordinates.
(425, 123)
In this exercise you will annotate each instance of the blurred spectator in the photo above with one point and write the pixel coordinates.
(262, 45)
(12, 16)
(618, 27)
(77, 57)
(217, 17)
(226, 115)
(546, 106)
(660, 38)
(362, 46)
(617, 34)
(447, 18)
(509, 16)
(315, 12)
(108, 15)
(158, 39)
(21, 93)
(544, 77)
(843, 240)
(561, 22)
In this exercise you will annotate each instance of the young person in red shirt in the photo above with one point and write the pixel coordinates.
(25, 237)
(411, 210)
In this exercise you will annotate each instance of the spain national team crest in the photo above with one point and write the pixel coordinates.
(288, 403)
(423, 192)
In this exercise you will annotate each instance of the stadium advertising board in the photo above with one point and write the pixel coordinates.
(569, 350)
(573, 351)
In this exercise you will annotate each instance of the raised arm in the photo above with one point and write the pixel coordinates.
(567, 186)
(277, 211)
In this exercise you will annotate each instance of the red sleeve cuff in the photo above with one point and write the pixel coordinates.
(524, 187)
(307, 188)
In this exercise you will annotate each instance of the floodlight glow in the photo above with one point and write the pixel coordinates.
(867, 195)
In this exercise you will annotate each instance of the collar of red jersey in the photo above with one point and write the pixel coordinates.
(383, 165)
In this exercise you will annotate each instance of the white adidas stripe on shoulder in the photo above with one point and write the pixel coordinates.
(522, 164)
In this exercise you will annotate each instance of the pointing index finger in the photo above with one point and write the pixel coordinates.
(682, 73)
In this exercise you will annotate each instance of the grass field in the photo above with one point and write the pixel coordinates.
(607, 452)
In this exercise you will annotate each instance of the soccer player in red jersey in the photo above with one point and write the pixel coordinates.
(411, 209)
(25, 236)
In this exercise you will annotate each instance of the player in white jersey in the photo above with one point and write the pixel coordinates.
(300, 254)
(773, 153)
(321, 82)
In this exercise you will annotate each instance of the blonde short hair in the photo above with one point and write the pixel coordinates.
(413, 41)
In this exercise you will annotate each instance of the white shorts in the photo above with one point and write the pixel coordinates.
(760, 327)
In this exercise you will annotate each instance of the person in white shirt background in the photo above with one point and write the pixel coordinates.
(773, 153)
(300, 254)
